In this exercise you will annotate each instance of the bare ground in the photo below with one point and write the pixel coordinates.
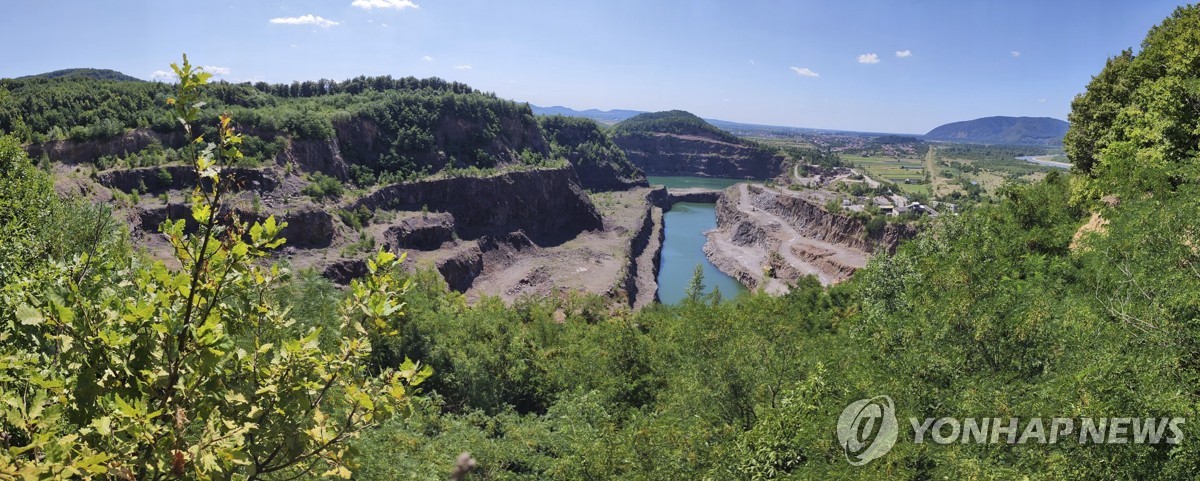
(800, 255)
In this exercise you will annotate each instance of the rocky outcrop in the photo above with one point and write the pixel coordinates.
(307, 226)
(460, 270)
(696, 155)
(180, 177)
(87, 151)
(813, 221)
(768, 239)
(640, 283)
(693, 194)
(600, 163)
(427, 232)
(315, 156)
(344, 271)
(547, 204)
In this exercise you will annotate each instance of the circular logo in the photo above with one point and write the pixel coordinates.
(867, 429)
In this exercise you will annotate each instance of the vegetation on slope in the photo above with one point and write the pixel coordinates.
(600, 162)
(1008, 310)
(672, 122)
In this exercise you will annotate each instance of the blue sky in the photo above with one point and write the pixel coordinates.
(827, 64)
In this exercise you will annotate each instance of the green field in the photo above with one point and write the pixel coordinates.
(893, 170)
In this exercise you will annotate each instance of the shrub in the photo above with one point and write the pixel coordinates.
(323, 186)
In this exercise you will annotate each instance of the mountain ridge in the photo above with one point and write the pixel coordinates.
(1043, 131)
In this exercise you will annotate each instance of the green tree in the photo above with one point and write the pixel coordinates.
(148, 372)
(695, 289)
(27, 200)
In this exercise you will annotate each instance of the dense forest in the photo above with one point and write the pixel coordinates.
(1077, 296)
(429, 125)
(672, 122)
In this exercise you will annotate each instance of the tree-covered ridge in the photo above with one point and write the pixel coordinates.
(1042, 131)
(600, 162)
(672, 122)
(93, 73)
(86, 106)
(386, 128)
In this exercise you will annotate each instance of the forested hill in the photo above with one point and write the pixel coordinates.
(92, 73)
(379, 128)
(1044, 131)
(672, 122)
(679, 143)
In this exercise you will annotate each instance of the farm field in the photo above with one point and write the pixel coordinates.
(893, 170)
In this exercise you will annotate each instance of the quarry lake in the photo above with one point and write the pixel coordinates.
(683, 246)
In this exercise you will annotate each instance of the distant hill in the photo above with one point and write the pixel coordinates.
(679, 143)
(603, 116)
(92, 73)
(673, 122)
(1043, 131)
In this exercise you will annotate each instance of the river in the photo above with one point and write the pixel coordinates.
(1041, 160)
(683, 246)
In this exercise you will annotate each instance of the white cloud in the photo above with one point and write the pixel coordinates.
(309, 19)
(427, 58)
(868, 58)
(383, 25)
(1041, 101)
(167, 75)
(1015, 53)
(751, 61)
(904, 53)
(805, 72)
(465, 66)
(396, 4)
(293, 45)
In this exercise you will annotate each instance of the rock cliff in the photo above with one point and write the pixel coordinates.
(768, 238)
(547, 204)
(679, 143)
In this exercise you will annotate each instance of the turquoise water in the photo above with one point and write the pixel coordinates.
(683, 247)
(681, 182)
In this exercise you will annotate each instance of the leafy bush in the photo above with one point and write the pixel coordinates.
(322, 186)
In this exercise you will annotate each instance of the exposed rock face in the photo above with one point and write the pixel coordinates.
(76, 152)
(697, 155)
(693, 194)
(153, 180)
(427, 232)
(344, 271)
(461, 270)
(315, 156)
(600, 163)
(547, 204)
(814, 222)
(645, 251)
(769, 239)
(308, 226)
